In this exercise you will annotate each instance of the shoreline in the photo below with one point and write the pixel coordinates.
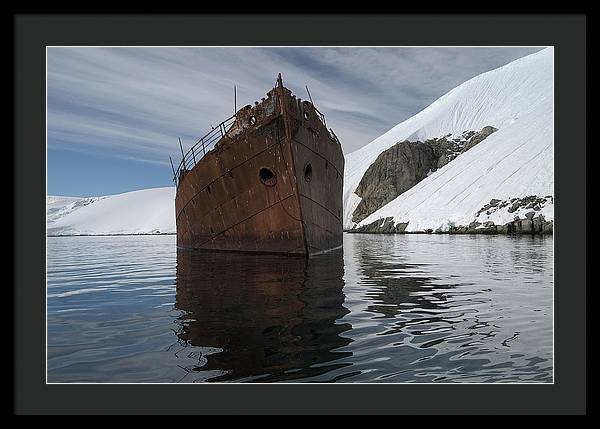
(108, 235)
(483, 232)
(531, 225)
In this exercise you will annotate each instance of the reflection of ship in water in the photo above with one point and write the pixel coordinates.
(273, 317)
(397, 286)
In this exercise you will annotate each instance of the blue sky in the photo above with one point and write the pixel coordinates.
(114, 114)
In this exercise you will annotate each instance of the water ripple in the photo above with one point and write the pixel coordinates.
(399, 308)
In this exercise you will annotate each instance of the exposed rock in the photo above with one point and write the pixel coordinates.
(405, 164)
(489, 207)
(388, 226)
(460, 229)
(502, 229)
(383, 226)
(531, 202)
(394, 171)
(401, 227)
(531, 225)
(524, 226)
(380, 226)
(485, 230)
(514, 207)
(478, 137)
(478, 228)
(536, 225)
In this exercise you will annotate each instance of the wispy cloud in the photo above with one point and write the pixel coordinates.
(133, 103)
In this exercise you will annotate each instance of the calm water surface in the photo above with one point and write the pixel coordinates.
(388, 308)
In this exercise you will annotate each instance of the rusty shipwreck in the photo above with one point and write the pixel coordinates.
(268, 179)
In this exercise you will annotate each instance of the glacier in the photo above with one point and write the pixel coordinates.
(515, 162)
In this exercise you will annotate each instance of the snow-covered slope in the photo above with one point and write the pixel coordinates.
(516, 161)
(149, 211)
(58, 207)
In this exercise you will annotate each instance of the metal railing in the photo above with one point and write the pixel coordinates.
(198, 150)
(320, 116)
(206, 143)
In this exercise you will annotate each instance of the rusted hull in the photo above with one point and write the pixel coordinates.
(228, 202)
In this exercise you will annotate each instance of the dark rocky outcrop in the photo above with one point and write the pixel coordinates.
(395, 171)
(532, 202)
(383, 226)
(533, 225)
(530, 225)
(477, 138)
(405, 164)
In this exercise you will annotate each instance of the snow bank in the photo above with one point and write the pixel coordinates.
(149, 211)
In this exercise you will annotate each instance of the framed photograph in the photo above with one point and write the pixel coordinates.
(270, 220)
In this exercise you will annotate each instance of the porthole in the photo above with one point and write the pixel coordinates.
(252, 120)
(308, 172)
(230, 173)
(306, 115)
(267, 177)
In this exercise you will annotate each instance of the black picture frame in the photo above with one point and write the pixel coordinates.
(32, 33)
